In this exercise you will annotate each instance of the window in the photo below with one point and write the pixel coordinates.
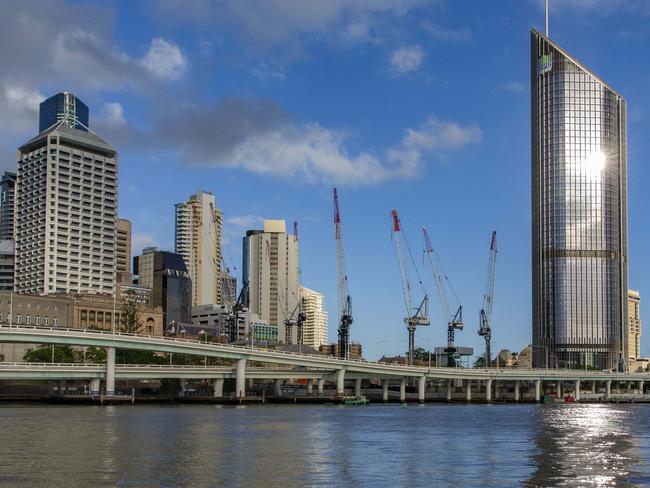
(47, 321)
(37, 320)
(18, 319)
(55, 321)
(28, 320)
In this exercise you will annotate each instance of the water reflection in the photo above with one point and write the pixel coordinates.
(587, 445)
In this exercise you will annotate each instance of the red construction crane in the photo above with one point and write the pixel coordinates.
(345, 302)
(415, 316)
(485, 315)
(453, 321)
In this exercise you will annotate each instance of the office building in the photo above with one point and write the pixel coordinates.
(198, 241)
(123, 252)
(7, 201)
(634, 328)
(356, 351)
(6, 265)
(270, 270)
(66, 212)
(63, 107)
(579, 213)
(165, 274)
(213, 320)
(228, 285)
(314, 329)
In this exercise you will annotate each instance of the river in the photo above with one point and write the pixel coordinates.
(296, 446)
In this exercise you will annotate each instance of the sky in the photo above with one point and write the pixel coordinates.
(422, 106)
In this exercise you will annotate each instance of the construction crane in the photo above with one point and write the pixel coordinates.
(297, 317)
(455, 321)
(485, 315)
(415, 316)
(345, 302)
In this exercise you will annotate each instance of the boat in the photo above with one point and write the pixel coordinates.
(356, 401)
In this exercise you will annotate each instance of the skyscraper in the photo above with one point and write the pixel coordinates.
(270, 271)
(579, 213)
(123, 252)
(315, 326)
(7, 201)
(634, 328)
(198, 241)
(63, 106)
(66, 212)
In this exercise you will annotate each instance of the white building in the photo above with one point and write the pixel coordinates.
(271, 274)
(66, 212)
(198, 241)
(314, 329)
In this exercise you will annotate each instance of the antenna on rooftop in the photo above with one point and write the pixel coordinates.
(546, 18)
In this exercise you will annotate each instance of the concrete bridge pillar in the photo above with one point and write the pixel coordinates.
(488, 390)
(278, 388)
(384, 395)
(94, 386)
(310, 387)
(608, 389)
(497, 390)
(560, 394)
(321, 386)
(422, 384)
(240, 379)
(340, 382)
(641, 384)
(449, 390)
(357, 387)
(468, 390)
(402, 390)
(517, 390)
(538, 390)
(577, 391)
(183, 391)
(217, 386)
(593, 387)
(110, 371)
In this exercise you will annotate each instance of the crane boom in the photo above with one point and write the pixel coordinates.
(485, 315)
(344, 302)
(414, 316)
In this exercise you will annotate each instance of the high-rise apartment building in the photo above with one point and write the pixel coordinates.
(634, 327)
(579, 213)
(66, 212)
(7, 201)
(270, 272)
(7, 265)
(123, 252)
(63, 107)
(198, 240)
(165, 274)
(314, 329)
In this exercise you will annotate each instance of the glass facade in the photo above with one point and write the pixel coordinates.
(579, 213)
(60, 106)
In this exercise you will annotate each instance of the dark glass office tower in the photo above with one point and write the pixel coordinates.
(579, 213)
(61, 106)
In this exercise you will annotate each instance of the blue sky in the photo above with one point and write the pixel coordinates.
(417, 105)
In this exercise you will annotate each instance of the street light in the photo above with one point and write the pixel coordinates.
(205, 337)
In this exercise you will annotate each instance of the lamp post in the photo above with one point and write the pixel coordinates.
(205, 340)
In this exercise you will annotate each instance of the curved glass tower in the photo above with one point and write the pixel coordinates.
(579, 213)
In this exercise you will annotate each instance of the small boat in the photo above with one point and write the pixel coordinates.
(569, 399)
(356, 401)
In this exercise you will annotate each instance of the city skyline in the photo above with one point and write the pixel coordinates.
(460, 232)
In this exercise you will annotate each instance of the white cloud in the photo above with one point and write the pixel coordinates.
(448, 35)
(406, 59)
(113, 114)
(164, 60)
(20, 106)
(514, 87)
(244, 222)
(141, 240)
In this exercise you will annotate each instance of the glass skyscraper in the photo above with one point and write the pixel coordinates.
(62, 106)
(579, 213)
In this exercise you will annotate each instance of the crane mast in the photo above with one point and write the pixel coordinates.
(453, 322)
(418, 316)
(297, 316)
(345, 302)
(485, 315)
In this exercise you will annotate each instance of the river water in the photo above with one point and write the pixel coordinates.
(296, 446)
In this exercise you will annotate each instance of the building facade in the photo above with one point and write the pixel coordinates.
(315, 327)
(270, 272)
(356, 351)
(579, 213)
(634, 328)
(66, 212)
(165, 274)
(7, 202)
(123, 252)
(198, 241)
(64, 107)
(7, 265)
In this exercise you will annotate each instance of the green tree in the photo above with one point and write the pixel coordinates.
(130, 319)
(480, 362)
(96, 355)
(43, 354)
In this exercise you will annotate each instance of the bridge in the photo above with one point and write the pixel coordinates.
(285, 366)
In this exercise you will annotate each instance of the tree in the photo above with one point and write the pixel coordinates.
(421, 355)
(130, 319)
(480, 362)
(96, 355)
(43, 354)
